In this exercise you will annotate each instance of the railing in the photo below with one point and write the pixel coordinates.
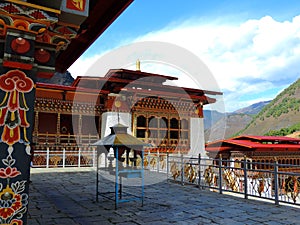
(64, 139)
(279, 183)
(80, 156)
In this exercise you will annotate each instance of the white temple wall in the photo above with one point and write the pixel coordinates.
(110, 119)
(197, 140)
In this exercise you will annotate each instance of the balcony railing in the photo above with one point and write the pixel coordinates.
(43, 139)
(279, 183)
(52, 156)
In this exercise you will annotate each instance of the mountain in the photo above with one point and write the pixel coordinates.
(253, 109)
(211, 117)
(58, 78)
(224, 125)
(228, 125)
(282, 114)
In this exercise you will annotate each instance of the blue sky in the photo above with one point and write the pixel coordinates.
(252, 47)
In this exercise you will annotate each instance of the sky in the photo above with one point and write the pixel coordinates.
(251, 47)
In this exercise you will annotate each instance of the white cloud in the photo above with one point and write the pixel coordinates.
(246, 59)
(81, 65)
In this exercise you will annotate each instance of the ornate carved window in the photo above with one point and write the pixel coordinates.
(162, 131)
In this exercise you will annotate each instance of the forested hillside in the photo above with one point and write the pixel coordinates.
(280, 117)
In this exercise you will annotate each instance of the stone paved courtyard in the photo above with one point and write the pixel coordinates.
(67, 197)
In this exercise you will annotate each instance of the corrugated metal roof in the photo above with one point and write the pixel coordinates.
(267, 138)
(251, 144)
(255, 143)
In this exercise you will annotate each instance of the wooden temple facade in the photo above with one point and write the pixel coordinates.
(167, 117)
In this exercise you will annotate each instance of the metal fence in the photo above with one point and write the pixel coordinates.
(279, 183)
(276, 182)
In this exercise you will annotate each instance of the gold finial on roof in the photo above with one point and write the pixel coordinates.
(138, 65)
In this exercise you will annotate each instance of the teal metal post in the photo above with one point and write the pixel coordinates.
(117, 179)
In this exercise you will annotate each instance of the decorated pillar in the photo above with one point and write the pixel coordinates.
(36, 123)
(79, 129)
(58, 128)
(31, 38)
(17, 102)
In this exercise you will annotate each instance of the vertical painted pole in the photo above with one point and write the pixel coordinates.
(97, 176)
(167, 166)
(199, 171)
(64, 158)
(149, 158)
(79, 156)
(142, 177)
(117, 178)
(182, 170)
(47, 157)
(245, 178)
(17, 94)
(276, 194)
(94, 156)
(157, 159)
(220, 174)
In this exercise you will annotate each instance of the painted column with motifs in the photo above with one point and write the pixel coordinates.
(31, 38)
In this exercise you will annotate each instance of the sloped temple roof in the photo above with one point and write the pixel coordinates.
(254, 143)
(148, 84)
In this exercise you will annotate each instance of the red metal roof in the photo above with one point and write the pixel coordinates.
(255, 143)
(250, 144)
(266, 138)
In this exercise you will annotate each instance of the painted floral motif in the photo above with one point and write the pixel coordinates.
(9, 172)
(9, 202)
(13, 108)
(13, 202)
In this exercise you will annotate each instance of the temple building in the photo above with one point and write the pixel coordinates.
(170, 118)
(261, 151)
